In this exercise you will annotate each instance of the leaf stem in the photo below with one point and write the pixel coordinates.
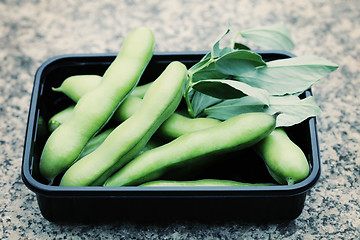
(187, 100)
(211, 60)
(190, 83)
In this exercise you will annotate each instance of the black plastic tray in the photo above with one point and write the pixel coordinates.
(124, 203)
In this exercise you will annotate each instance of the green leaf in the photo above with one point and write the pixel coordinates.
(240, 46)
(228, 89)
(216, 51)
(208, 72)
(206, 56)
(233, 107)
(292, 109)
(200, 101)
(288, 76)
(197, 66)
(239, 62)
(275, 37)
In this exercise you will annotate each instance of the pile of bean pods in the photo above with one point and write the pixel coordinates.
(82, 153)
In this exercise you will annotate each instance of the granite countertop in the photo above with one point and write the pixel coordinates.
(33, 31)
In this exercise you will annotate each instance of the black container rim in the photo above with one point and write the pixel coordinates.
(134, 191)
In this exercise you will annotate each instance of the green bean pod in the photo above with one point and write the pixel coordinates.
(141, 90)
(178, 125)
(96, 107)
(233, 134)
(76, 86)
(127, 108)
(285, 161)
(175, 126)
(59, 118)
(201, 183)
(127, 140)
(95, 142)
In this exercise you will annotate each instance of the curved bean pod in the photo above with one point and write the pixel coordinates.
(141, 90)
(95, 142)
(200, 183)
(233, 134)
(127, 140)
(76, 86)
(285, 161)
(96, 107)
(178, 125)
(59, 118)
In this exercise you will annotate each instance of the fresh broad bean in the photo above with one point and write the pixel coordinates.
(127, 108)
(95, 142)
(76, 86)
(201, 183)
(127, 140)
(175, 126)
(140, 90)
(59, 118)
(285, 161)
(96, 107)
(178, 125)
(233, 134)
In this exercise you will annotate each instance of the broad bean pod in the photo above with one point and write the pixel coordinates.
(141, 90)
(76, 86)
(59, 118)
(285, 161)
(236, 133)
(201, 183)
(82, 84)
(95, 142)
(96, 107)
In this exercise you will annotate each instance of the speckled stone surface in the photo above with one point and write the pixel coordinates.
(33, 31)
